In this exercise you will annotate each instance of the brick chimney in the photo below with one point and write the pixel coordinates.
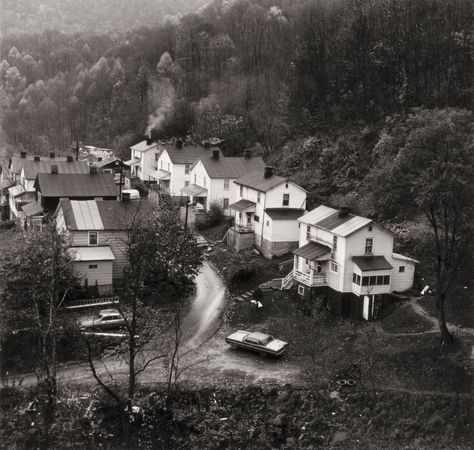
(148, 141)
(52, 155)
(126, 197)
(54, 169)
(69, 158)
(93, 170)
(23, 155)
(206, 144)
(268, 172)
(344, 211)
(179, 143)
(215, 154)
(37, 158)
(247, 154)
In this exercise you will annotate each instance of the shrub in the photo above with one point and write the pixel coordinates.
(243, 266)
(216, 214)
(7, 224)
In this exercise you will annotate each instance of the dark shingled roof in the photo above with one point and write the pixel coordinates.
(232, 167)
(242, 205)
(312, 251)
(114, 214)
(256, 180)
(33, 168)
(76, 185)
(17, 162)
(333, 221)
(188, 155)
(366, 263)
(284, 213)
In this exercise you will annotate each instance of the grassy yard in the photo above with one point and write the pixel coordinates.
(326, 346)
(402, 319)
(459, 307)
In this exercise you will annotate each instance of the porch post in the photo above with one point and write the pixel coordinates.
(295, 263)
(311, 274)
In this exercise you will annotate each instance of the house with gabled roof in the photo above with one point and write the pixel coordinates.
(212, 178)
(96, 231)
(174, 166)
(266, 213)
(349, 260)
(144, 158)
(53, 187)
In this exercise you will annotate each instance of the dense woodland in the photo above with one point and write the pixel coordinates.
(309, 84)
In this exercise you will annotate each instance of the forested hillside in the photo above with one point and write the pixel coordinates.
(18, 16)
(311, 83)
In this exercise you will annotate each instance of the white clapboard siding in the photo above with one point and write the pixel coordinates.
(281, 230)
(404, 280)
(102, 274)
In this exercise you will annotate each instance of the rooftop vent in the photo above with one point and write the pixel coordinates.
(268, 173)
(215, 154)
(247, 154)
(70, 158)
(23, 155)
(52, 155)
(54, 169)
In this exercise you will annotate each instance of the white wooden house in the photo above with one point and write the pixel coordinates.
(143, 161)
(97, 234)
(174, 166)
(265, 212)
(213, 176)
(350, 260)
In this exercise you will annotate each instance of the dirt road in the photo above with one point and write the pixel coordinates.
(208, 358)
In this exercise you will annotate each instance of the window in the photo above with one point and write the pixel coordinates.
(334, 267)
(204, 181)
(300, 290)
(161, 164)
(286, 185)
(356, 279)
(268, 223)
(286, 199)
(401, 269)
(369, 245)
(306, 261)
(256, 218)
(168, 167)
(308, 232)
(93, 238)
(186, 183)
(370, 227)
(379, 280)
(226, 203)
(258, 197)
(373, 280)
(92, 266)
(386, 279)
(334, 243)
(365, 281)
(186, 169)
(157, 155)
(241, 191)
(195, 178)
(226, 184)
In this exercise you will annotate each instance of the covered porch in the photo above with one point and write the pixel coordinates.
(163, 178)
(244, 213)
(311, 264)
(197, 195)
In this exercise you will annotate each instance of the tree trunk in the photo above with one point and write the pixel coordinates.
(446, 336)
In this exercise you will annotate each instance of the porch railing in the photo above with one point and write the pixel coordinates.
(243, 228)
(318, 279)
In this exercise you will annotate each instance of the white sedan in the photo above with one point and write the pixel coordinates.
(262, 343)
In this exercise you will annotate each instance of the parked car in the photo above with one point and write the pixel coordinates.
(107, 318)
(262, 343)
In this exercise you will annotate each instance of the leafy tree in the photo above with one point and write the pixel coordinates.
(37, 277)
(426, 166)
(162, 263)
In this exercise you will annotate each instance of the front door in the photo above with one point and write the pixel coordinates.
(319, 267)
(249, 219)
